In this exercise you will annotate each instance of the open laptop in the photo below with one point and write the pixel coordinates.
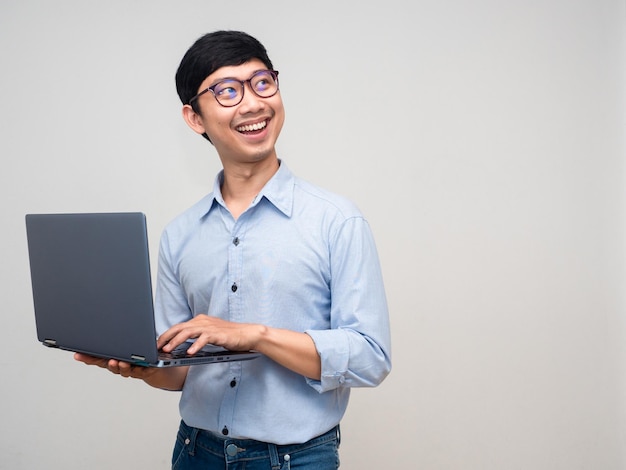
(92, 289)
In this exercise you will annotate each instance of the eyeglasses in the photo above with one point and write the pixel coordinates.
(229, 92)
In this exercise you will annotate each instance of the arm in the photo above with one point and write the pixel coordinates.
(293, 350)
(171, 378)
(356, 350)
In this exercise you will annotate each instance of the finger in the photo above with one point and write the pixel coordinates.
(125, 369)
(182, 336)
(168, 335)
(162, 341)
(201, 341)
(113, 366)
(91, 360)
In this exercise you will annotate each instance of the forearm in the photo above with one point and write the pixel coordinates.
(293, 350)
(170, 378)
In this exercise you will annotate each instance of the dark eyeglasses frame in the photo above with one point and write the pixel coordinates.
(274, 73)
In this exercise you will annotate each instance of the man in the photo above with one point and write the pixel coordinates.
(266, 262)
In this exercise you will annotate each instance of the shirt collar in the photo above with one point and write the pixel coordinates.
(278, 191)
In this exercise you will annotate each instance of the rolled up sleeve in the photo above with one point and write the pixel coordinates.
(356, 350)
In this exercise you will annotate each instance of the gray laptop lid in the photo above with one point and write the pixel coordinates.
(92, 289)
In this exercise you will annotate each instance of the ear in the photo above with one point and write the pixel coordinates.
(193, 119)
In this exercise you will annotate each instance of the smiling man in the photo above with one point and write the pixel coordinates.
(269, 262)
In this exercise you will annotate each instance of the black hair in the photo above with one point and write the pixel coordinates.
(211, 52)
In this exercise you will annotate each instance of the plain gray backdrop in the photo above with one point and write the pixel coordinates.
(484, 141)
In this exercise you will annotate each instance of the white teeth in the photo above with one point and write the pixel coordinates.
(252, 127)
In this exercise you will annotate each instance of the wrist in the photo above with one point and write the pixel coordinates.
(260, 337)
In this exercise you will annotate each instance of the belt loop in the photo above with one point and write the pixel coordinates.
(191, 444)
(274, 459)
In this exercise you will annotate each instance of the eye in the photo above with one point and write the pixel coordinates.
(226, 90)
(263, 82)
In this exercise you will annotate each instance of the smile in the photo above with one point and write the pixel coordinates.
(252, 127)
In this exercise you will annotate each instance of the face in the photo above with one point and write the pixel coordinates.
(245, 133)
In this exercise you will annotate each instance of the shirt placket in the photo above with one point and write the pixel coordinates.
(235, 314)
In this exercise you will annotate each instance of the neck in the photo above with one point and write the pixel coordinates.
(242, 182)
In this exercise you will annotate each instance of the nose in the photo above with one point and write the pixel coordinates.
(250, 102)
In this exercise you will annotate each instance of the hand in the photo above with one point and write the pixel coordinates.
(122, 368)
(210, 330)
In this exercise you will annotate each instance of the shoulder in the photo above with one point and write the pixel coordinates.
(188, 220)
(313, 196)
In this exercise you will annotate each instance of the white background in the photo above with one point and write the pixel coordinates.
(484, 141)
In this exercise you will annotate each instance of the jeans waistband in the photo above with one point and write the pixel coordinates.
(219, 443)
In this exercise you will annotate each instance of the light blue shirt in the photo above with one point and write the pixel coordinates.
(298, 258)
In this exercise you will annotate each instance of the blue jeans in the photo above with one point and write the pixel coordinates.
(198, 449)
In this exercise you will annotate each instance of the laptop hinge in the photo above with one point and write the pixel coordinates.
(137, 357)
(50, 342)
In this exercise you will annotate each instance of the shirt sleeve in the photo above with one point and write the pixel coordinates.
(171, 305)
(356, 350)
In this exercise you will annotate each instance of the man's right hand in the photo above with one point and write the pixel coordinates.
(171, 378)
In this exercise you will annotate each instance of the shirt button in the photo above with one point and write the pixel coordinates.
(225, 431)
(236, 241)
(233, 383)
(234, 287)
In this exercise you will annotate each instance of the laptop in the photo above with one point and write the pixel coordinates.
(92, 290)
